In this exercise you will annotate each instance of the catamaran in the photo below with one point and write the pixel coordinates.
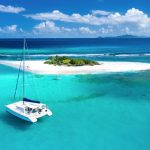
(27, 109)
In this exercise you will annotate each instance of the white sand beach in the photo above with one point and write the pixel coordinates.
(39, 67)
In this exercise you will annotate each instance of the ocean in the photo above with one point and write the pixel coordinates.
(105, 49)
(108, 111)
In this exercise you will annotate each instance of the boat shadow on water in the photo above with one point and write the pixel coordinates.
(15, 122)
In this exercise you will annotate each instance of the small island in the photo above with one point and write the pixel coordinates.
(42, 67)
(68, 61)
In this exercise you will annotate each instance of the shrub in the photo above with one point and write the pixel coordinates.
(62, 60)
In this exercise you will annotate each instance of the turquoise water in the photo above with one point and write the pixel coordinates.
(101, 111)
(90, 112)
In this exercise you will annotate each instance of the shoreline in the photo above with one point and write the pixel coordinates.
(38, 67)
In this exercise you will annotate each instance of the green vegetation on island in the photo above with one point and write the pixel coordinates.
(68, 61)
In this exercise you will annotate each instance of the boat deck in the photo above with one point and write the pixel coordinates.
(19, 107)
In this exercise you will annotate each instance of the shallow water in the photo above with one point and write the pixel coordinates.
(101, 111)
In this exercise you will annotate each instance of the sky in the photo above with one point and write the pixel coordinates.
(73, 18)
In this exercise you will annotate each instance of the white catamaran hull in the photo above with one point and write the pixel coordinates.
(18, 109)
(33, 120)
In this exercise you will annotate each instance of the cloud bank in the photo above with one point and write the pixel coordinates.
(96, 23)
(11, 9)
(97, 17)
(133, 21)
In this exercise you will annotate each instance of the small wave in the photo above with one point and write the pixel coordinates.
(91, 55)
(69, 55)
(96, 55)
(3, 55)
(78, 55)
(131, 55)
(146, 54)
(127, 55)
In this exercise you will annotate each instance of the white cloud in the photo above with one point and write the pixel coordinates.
(100, 12)
(47, 26)
(57, 15)
(132, 16)
(11, 9)
(54, 15)
(11, 31)
(98, 22)
(11, 28)
(105, 31)
(134, 21)
(67, 29)
(8, 29)
(86, 30)
(50, 27)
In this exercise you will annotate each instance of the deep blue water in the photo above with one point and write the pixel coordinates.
(106, 49)
(71, 42)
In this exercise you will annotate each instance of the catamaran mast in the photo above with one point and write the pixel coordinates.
(24, 47)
